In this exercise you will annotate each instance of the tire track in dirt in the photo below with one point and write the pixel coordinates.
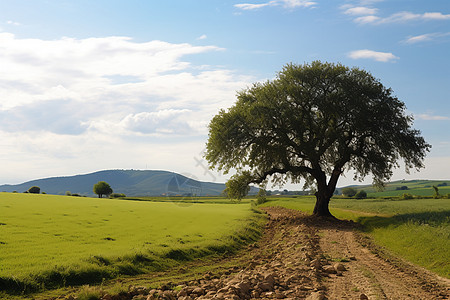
(368, 273)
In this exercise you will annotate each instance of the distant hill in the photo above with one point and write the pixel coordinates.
(128, 182)
(417, 187)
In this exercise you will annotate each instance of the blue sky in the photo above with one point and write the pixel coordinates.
(93, 85)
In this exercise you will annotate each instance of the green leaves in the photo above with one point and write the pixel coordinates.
(237, 187)
(102, 188)
(315, 121)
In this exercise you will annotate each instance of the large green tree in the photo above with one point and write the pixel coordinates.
(102, 188)
(314, 122)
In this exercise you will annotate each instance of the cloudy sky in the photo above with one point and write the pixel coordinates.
(108, 84)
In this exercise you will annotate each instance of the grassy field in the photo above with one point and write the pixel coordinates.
(416, 191)
(415, 187)
(48, 241)
(417, 229)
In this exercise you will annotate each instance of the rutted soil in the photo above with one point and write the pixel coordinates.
(300, 257)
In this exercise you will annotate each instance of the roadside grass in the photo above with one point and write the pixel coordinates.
(49, 241)
(417, 230)
(422, 238)
(216, 265)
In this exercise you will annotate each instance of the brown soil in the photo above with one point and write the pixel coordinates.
(300, 257)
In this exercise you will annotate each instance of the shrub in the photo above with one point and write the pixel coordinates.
(361, 194)
(68, 193)
(34, 190)
(436, 194)
(406, 196)
(402, 188)
(349, 192)
(117, 195)
(261, 196)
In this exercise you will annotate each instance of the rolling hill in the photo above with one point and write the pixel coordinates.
(128, 182)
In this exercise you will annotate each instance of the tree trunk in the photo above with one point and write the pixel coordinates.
(321, 207)
(323, 196)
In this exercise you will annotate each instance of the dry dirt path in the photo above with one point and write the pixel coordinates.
(304, 258)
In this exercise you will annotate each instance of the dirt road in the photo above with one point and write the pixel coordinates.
(304, 258)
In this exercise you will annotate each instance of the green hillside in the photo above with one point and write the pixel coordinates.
(414, 187)
(128, 182)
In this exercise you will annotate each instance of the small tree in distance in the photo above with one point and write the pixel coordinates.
(34, 190)
(102, 188)
(349, 192)
(261, 197)
(436, 192)
(361, 194)
(236, 188)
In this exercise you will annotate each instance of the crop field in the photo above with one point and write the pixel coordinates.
(417, 229)
(47, 241)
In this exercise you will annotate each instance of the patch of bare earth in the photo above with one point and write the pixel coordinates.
(300, 257)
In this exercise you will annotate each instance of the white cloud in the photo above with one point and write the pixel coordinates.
(202, 37)
(366, 19)
(80, 105)
(419, 38)
(360, 10)
(435, 16)
(284, 3)
(426, 37)
(364, 13)
(297, 3)
(403, 17)
(38, 70)
(429, 117)
(74, 104)
(156, 123)
(370, 54)
(13, 23)
(249, 6)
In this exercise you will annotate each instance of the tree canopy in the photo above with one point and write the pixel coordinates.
(102, 188)
(314, 122)
(34, 190)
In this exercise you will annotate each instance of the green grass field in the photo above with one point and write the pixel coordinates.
(48, 241)
(417, 229)
(415, 187)
(417, 192)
